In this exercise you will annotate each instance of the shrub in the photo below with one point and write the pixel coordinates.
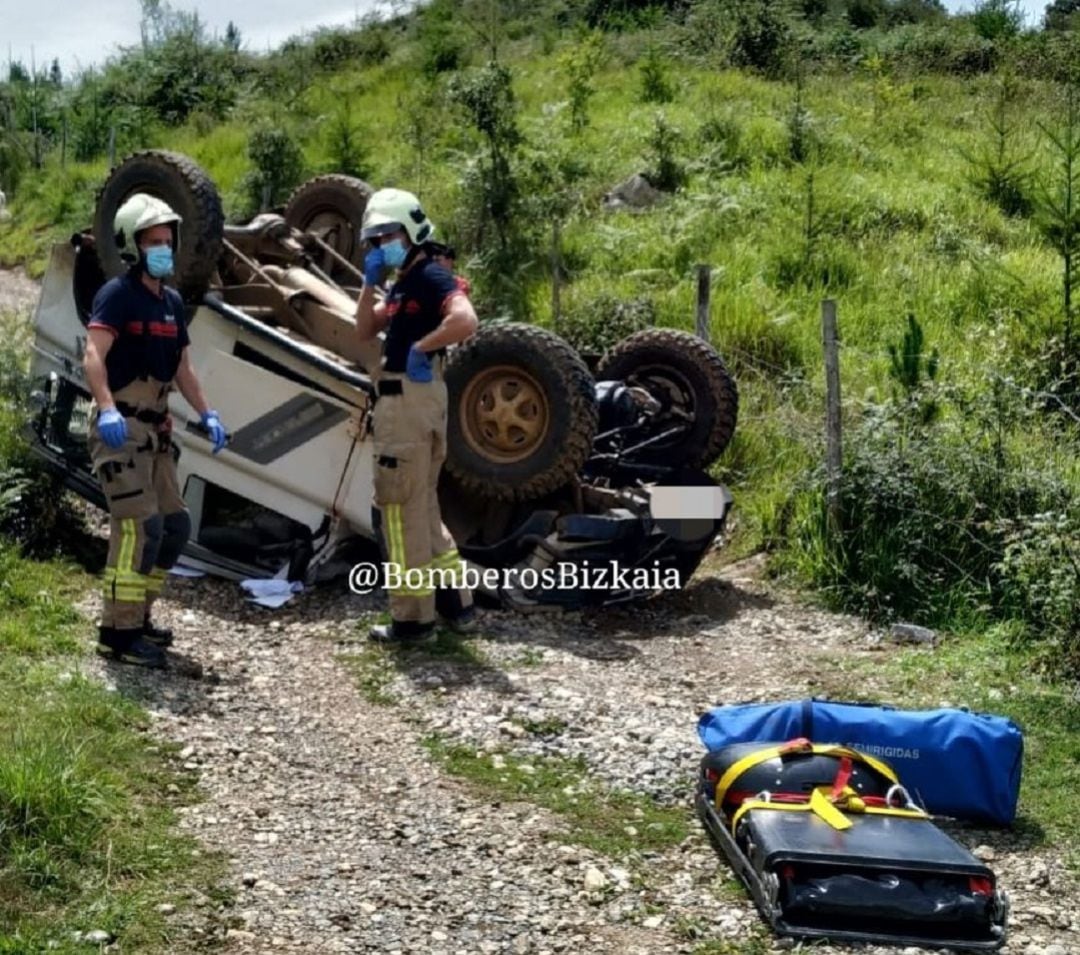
(1039, 575)
(762, 36)
(598, 323)
(279, 166)
(998, 19)
(444, 44)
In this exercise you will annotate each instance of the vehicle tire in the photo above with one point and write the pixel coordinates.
(184, 185)
(688, 377)
(332, 207)
(522, 412)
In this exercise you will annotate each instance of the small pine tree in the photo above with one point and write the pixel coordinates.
(1000, 171)
(1059, 202)
(232, 37)
(666, 171)
(279, 165)
(913, 371)
(656, 83)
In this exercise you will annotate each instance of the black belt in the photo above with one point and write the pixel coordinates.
(390, 386)
(145, 415)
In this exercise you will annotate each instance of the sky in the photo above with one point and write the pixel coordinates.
(82, 33)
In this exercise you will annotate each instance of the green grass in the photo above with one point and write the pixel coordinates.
(375, 666)
(374, 671)
(88, 836)
(988, 672)
(757, 944)
(615, 824)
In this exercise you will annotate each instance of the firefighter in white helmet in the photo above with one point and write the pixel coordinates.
(424, 311)
(136, 352)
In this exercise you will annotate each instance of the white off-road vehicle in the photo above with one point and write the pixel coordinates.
(555, 460)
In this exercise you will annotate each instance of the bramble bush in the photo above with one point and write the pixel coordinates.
(950, 515)
(599, 322)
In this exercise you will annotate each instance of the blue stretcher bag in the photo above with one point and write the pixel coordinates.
(953, 762)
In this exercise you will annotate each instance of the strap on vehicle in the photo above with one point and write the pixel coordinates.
(736, 769)
(828, 808)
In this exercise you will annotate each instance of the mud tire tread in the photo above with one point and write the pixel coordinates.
(684, 351)
(573, 411)
(185, 185)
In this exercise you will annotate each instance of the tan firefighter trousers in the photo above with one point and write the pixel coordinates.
(410, 447)
(148, 521)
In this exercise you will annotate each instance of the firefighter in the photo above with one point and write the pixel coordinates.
(136, 353)
(445, 256)
(424, 311)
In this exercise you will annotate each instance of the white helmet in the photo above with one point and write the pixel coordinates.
(391, 209)
(143, 211)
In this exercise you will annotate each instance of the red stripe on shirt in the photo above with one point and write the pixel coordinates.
(158, 329)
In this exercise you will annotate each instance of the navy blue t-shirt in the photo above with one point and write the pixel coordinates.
(414, 307)
(149, 332)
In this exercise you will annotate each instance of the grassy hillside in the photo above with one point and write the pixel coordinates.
(904, 169)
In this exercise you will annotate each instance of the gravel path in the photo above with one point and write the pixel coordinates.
(344, 836)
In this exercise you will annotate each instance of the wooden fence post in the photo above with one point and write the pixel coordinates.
(833, 448)
(704, 286)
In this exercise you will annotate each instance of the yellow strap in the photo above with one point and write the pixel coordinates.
(854, 805)
(740, 766)
(820, 806)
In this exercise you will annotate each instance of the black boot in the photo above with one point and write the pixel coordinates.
(158, 636)
(401, 632)
(129, 646)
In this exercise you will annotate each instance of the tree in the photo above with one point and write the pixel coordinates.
(998, 19)
(278, 166)
(17, 73)
(232, 37)
(55, 76)
(1062, 15)
(1059, 201)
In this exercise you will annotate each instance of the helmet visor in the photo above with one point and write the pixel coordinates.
(380, 228)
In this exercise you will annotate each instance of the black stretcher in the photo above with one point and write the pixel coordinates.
(829, 845)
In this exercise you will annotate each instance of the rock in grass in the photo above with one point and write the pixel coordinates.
(911, 633)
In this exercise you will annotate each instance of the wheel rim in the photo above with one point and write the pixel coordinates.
(505, 414)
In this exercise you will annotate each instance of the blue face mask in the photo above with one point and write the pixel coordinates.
(393, 253)
(159, 261)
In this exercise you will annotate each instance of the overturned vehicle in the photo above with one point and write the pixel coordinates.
(564, 464)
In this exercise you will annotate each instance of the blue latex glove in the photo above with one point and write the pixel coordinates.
(212, 423)
(374, 266)
(418, 365)
(112, 427)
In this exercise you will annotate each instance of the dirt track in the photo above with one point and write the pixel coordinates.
(343, 835)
